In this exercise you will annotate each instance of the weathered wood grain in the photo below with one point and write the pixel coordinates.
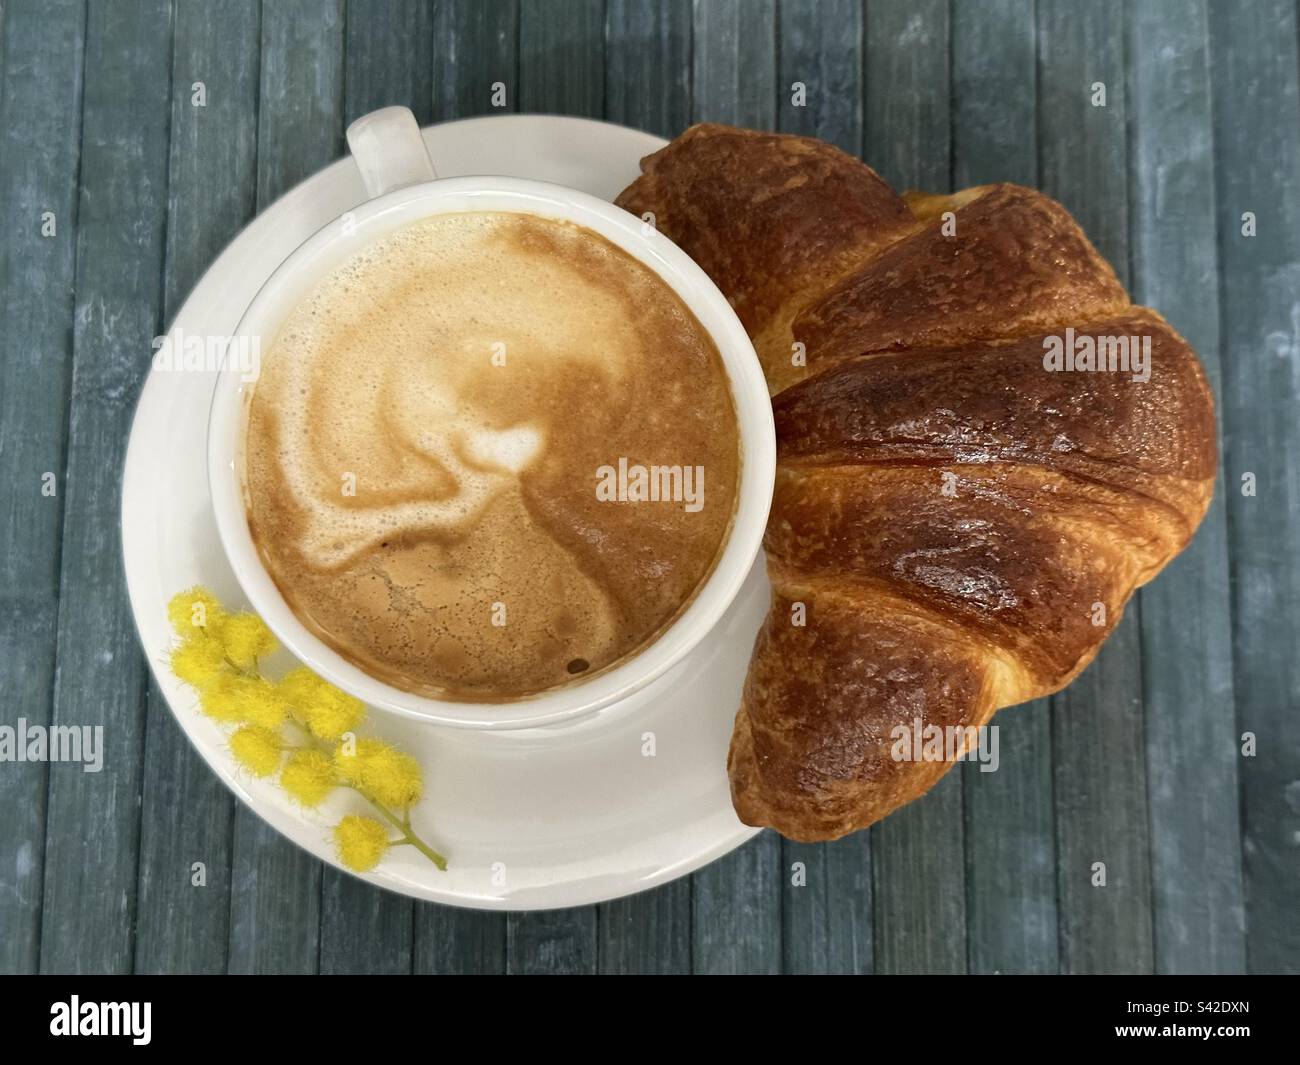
(736, 910)
(826, 906)
(275, 900)
(40, 143)
(907, 123)
(820, 63)
(1010, 827)
(734, 63)
(994, 93)
(363, 929)
(826, 913)
(90, 856)
(917, 854)
(552, 942)
(649, 932)
(648, 65)
(300, 109)
(561, 57)
(187, 816)
(1198, 908)
(388, 58)
(1257, 169)
(452, 941)
(737, 900)
(475, 46)
(187, 813)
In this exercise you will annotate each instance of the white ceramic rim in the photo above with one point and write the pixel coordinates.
(332, 245)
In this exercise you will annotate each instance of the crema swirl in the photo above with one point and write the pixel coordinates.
(464, 456)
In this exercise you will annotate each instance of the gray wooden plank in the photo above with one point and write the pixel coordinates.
(40, 143)
(561, 70)
(187, 814)
(826, 913)
(186, 817)
(561, 57)
(552, 942)
(649, 932)
(363, 929)
(737, 900)
(917, 853)
(993, 121)
(907, 124)
(1011, 849)
(1010, 829)
(93, 818)
(389, 57)
(1257, 169)
(648, 71)
(736, 906)
(475, 47)
(734, 63)
(1101, 815)
(648, 65)
(217, 43)
(274, 902)
(1198, 904)
(452, 941)
(275, 887)
(820, 69)
(300, 108)
(1097, 729)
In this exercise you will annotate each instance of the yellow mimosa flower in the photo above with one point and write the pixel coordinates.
(335, 713)
(361, 842)
(198, 660)
(301, 715)
(381, 772)
(257, 749)
(234, 698)
(308, 776)
(222, 699)
(323, 708)
(195, 608)
(246, 639)
(301, 686)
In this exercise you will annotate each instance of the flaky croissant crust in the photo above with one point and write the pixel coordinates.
(956, 528)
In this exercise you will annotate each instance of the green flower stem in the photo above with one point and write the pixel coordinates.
(409, 836)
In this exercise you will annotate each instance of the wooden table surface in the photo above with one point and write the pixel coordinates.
(1139, 764)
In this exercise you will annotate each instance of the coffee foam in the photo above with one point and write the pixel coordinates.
(465, 377)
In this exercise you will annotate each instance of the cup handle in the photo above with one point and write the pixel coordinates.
(389, 150)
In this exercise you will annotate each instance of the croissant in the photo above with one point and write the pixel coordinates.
(964, 502)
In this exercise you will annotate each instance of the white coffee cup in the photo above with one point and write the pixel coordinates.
(399, 177)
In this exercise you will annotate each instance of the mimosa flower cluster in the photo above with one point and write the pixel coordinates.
(299, 728)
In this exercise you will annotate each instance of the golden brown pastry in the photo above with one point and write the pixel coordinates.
(957, 524)
(774, 220)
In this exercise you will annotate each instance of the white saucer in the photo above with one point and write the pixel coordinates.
(529, 820)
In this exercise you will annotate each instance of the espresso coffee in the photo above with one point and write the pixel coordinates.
(489, 455)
